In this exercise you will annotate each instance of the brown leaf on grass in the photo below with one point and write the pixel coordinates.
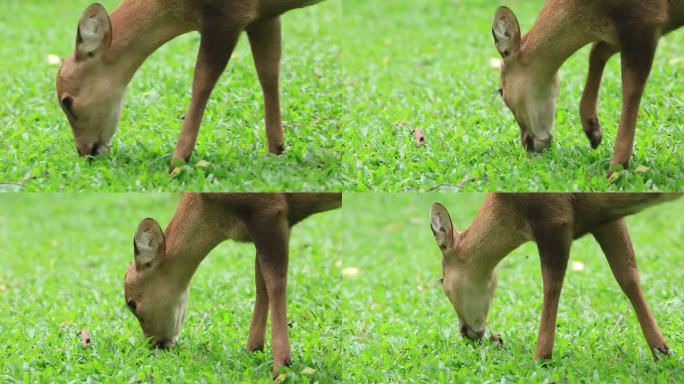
(85, 338)
(497, 339)
(420, 139)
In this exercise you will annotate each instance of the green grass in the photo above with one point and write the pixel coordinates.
(426, 65)
(400, 327)
(62, 263)
(38, 152)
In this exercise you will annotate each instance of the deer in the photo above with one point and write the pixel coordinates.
(529, 70)
(156, 284)
(552, 220)
(92, 81)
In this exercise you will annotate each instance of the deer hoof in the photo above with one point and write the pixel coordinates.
(255, 348)
(663, 349)
(277, 150)
(593, 131)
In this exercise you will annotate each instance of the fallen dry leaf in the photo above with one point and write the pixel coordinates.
(497, 339)
(676, 60)
(350, 271)
(577, 266)
(54, 59)
(495, 63)
(613, 177)
(308, 371)
(281, 377)
(420, 139)
(642, 169)
(176, 171)
(3, 287)
(85, 338)
(391, 227)
(202, 164)
(338, 263)
(417, 221)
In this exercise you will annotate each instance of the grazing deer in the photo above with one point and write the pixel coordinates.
(109, 50)
(157, 281)
(529, 73)
(553, 221)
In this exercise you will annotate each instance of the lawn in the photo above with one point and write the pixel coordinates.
(400, 327)
(62, 263)
(38, 151)
(426, 65)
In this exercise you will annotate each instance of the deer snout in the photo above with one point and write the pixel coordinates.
(532, 144)
(91, 149)
(468, 332)
(162, 343)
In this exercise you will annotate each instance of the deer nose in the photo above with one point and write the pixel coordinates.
(540, 145)
(527, 141)
(162, 344)
(88, 149)
(532, 144)
(468, 332)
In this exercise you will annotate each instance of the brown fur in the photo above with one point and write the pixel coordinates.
(630, 27)
(156, 284)
(552, 220)
(138, 28)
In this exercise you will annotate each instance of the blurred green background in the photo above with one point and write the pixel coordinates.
(62, 264)
(400, 327)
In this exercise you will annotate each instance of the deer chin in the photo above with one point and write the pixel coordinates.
(467, 331)
(163, 343)
(533, 143)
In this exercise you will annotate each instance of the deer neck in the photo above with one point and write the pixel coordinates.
(189, 239)
(139, 27)
(557, 33)
(496, 231)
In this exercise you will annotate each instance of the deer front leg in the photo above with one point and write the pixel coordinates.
(264, 38)
(554, 250)
(257, 329)
(617, 246)
(637, 57)
(271, 237)
(598, 57)
(216, 46)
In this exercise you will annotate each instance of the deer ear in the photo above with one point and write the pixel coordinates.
(506, 32)
(442, 228)
(148, 245)
(94, 34)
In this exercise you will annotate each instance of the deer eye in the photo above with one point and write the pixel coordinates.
(68, 106)
(131, 304)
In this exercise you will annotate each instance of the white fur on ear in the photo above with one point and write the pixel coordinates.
(149, 243)
(94, 30)
(143, 241)
(506, 32)
(441, 225)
